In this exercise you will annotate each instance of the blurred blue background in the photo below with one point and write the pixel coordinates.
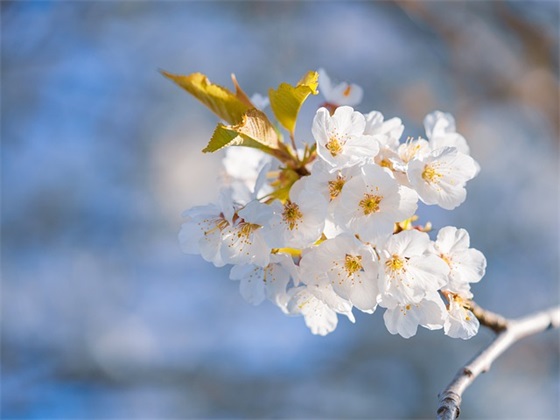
(104, 317)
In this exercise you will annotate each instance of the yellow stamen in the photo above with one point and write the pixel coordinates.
(370, 203)
(291, 214)
(352, 263)
(335, 186)
(430, 175)
(334, 146)
(395, 263)
(386, 163)
(245, 229)
(347, 90)
(446, 258)
(220, 224)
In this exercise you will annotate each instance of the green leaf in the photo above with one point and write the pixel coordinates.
(220, 100)
(254, 130)
(287, 100)
(222, 137)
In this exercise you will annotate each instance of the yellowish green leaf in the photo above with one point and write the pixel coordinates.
(256, 126)
(287, 100)
(222, 137)
(254, 130)
(220, 100)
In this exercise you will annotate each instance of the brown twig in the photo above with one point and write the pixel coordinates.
(508, 332)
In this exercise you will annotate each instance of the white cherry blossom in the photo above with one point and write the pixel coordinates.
(340, 138)
(370, 205)
(440, 130)
(258, 283)
(348, 266)
(412, 149)
(404, 319)
(243, 239)
(330, 245)
(319, 317)
(330, 185)
(408, 272)
(202, 231)
(387, 133)
(299, 221)
(440, 177)
(461, 322)
(340, 94)
(467, 265)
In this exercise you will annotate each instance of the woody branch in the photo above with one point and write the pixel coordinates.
(508, 332)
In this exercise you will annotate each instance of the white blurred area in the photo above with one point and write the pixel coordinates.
(102, 316)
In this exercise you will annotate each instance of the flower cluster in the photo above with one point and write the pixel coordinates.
(332, 228)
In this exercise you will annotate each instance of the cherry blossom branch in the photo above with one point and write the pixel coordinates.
(508, 332)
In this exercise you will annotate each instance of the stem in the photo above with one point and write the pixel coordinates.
(508, 332)
(293, 140)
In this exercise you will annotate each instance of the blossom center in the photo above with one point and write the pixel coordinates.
(334, 146)
(335, 186)
(352, 263)
(370, 203)
(410, 149)
(219, 223)
(446, 258)
(347, 91)
(430, 174)
(395, 263)
(291, 214)
(386, 163)
(245, 229)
